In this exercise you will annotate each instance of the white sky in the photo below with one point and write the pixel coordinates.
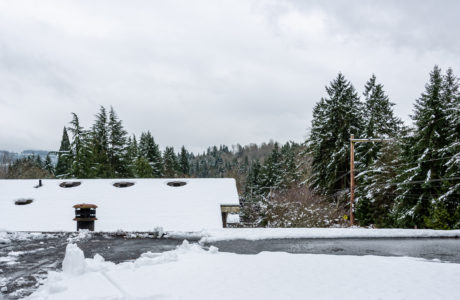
(200, 73)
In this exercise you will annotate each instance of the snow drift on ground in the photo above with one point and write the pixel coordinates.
(190, 272)
(210, 236)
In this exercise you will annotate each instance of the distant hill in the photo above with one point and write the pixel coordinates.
(7, 157)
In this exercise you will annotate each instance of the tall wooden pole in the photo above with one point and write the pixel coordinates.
(352, 179)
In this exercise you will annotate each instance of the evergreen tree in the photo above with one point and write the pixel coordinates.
(150, 150)
(376, 189)
(334, 119)
(171, 164)
(48, 165)
(100, 144)
(291, 173)
(380, 122)
(131, 156)
(143, 169)
(449, 202)
(64, 162)
(38, 162)
(376, 160)
(271, 177)
(423, 154)
(117, 146)
(253, 181)
(183, 162)
(81, 150)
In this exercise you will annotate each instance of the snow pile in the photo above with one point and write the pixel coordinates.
(74, 260)
(210, 236)
(192, 272)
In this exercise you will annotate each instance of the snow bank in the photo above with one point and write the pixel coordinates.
(210, 236)
(74, 260)
(192, 272)
(148, 204)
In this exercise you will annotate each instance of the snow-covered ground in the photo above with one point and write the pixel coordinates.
(191, 272)
(252, 234)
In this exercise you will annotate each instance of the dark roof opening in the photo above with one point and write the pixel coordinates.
(69, 184)
(23, 201)
(176, 183)
(123, 184)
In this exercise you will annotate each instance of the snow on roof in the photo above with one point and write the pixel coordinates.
(144, 206)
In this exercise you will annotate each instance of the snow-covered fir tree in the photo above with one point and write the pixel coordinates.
(100, 146)
(143, 168)
(131, 156)
(117, 146)
(379, 122)
(184, 165)
(271, 175)
(64, 161)
(150, 150)
(447, 210)
(48, 164)
(171, 164)
(376, 189)
(335, 118)
(78, 168)
(419, 189)
(376, 161)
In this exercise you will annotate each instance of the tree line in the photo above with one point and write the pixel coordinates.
(106, 151)
(412, 181)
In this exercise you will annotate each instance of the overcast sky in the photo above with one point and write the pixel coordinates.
(200, 73)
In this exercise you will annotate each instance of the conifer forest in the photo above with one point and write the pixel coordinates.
(410, 181)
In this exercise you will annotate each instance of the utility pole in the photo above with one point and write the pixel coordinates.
(352, 170)
(352, 179)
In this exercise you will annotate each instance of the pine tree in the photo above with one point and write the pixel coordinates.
(376, 160)
(449, 202)
(100, 144)
(170, 163)
(81, 148)
(48, 165)
(271, 177)
(183, 162)
(423, 154)
(151, 151)
(64, 162)
(131, 156)
(117, 146)
(380, 122)
(38, 162)
(76, 146)
(334, 119)
(143, 169)
(376, 189)
(253, 181)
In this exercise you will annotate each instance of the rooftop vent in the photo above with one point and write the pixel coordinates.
(69, 184)
(123, 184)
(176, 183)
(23, 201)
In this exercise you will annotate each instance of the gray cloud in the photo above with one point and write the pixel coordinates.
(207, 72)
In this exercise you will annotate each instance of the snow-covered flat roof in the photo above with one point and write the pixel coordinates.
(148, 204)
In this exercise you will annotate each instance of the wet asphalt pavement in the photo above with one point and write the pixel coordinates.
(24, 263)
